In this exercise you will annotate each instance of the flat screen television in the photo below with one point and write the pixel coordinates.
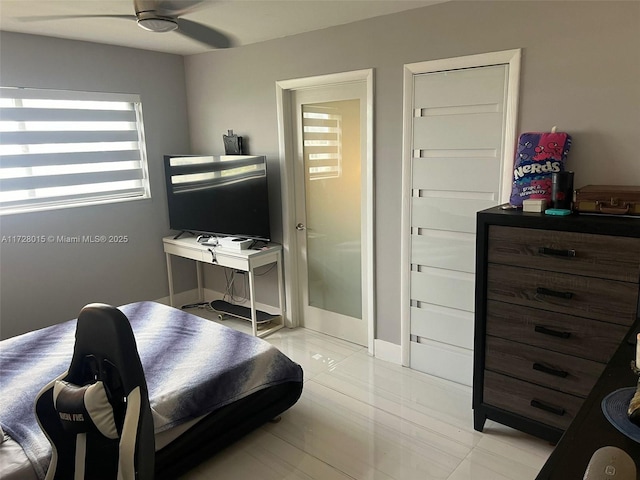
(225, 196)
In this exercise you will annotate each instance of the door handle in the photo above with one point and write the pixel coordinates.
(300, 227)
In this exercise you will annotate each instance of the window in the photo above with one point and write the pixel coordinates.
(62, 149)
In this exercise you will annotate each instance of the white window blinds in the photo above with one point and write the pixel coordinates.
(61, 148)
(322, 141)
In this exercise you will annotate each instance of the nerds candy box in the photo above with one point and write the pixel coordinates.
(537, 157)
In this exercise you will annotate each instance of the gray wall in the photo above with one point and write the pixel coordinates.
(580, 71)
(45, 284)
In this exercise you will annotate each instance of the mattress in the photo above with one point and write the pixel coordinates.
(208, 385)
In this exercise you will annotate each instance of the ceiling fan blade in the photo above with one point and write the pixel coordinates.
(64, 17)
(204, 34)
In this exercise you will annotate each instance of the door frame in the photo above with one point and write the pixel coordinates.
(284, 90)
(506, 57)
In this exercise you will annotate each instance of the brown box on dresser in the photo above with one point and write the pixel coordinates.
(555, 297)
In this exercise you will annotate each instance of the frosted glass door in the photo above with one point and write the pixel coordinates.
(331, 151)
(330, 135)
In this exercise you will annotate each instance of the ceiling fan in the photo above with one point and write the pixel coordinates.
(164, 16)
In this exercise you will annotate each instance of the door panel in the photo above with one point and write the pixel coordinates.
(451, 214)
(444, 360)
(477, 173)
(446, 288)
(449, 250)
(441, 324)
(446, 131)
(474, 86)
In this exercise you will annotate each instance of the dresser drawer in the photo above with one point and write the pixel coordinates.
(531, 401)
(550, 369)
(604, 256)
(582, 337)
(606, 300)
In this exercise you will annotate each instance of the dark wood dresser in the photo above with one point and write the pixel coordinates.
(555, 296)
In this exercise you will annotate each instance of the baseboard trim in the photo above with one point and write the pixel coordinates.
(182, 298)
(387, 351)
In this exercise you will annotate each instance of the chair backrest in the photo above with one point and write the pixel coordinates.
(97, 415)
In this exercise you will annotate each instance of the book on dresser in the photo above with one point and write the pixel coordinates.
(555, 296)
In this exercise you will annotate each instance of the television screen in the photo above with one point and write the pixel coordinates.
(218, 195)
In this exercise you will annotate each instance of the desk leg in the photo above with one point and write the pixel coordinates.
(170, 275)
(252, 300)
(200, 283)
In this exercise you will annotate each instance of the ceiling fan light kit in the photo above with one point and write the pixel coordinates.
(154, 23)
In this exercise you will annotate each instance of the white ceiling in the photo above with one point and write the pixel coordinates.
(246, 21)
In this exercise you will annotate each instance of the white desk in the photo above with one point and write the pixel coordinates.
(244, 260)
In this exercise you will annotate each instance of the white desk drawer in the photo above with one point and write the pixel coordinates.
(186, 252)
(229, 261)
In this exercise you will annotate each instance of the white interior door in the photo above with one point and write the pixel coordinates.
(330, 205)
(458, 133)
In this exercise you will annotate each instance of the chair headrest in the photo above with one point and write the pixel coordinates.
(106, 350)
(84, 409)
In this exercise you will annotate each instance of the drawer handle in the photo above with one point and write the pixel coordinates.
(553, 333)
(556, 252)
(551, 371)
(554, 293)
(548, 408)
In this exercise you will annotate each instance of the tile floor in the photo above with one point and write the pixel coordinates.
(364, 418)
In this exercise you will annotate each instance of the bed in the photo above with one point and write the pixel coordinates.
(208, 386)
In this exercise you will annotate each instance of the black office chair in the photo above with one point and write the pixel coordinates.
(97, 415)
